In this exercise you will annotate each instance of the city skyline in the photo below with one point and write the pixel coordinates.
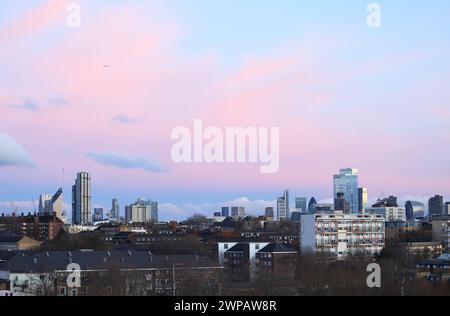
(110, 111)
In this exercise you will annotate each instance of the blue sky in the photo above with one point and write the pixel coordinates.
(383, 95)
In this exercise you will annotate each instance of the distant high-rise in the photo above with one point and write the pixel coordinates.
(312, 205)
(154, 210)
(241, 212)
(142, 212)
(115, 210)
(283, 207)
(269, 212)
(414, 210)
(81, 200)
(436, 206)
(340, 204)
(56, 205)
(347, 182)
(44, 203)
(300, 204)
(235, 211)
(98, 215)
(362, 199)
(447, 208)
(225, 211)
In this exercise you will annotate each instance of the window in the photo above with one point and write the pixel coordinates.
(74, 292)
(62, 291)
(257, 246)
(225, 246)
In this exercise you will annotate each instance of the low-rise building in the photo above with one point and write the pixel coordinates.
(41, 227)
(13, 243)
(276, 262)
(132, 273)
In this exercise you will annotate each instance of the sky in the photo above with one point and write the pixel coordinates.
(104, 98)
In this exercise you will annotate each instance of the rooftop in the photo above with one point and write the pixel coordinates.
(40, 262)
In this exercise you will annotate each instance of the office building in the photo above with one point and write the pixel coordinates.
(241, 212)
(269, 212)
(283, 207)
(340, 204)
(44, 203)
(98, 215)
(414, 210)
(295, 216)
(56, 205)
(436, 206)
(142, 212)
(235, 211)
(342, 235)
(225, 211)
(346, 182)
(81, 200)
(312, 206)
(300, 205)
(362, 199)
(324, 208)
(391, 214)
(115, 210)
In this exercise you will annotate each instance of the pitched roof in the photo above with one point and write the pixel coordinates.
(41, 262)
(273, 248)
(238, 248)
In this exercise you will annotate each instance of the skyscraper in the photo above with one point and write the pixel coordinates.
(269, 212)
(98, 215)
(300, 204)
(225, 211)
(235, 211)
(56, 205)
(362, 199)
(312, 206)
(81, 199)
(154, 211)
(347, 182)
(115, 210)
(283, 207)
(142, 212)
(341, 204)
(436, 206)
(241, 212)
(44, 203)
(414, 210)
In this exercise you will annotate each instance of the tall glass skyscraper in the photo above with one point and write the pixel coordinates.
(300, 203)
(81, 200)
(346, 182)
(283, 207)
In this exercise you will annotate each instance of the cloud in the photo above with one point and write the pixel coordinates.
(12, 153)
(18, 104)
(124, 119)
(58, 101)
(126, 162)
